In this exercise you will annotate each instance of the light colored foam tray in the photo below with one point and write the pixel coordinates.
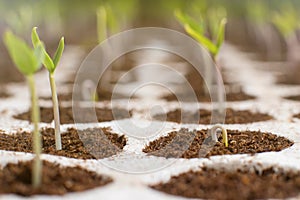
(135, 186)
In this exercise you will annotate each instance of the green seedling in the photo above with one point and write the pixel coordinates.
(198, 30)
(215, 25)
(89, 91)
(29, 61)
(106, 23)
(51, 64)
(286, 21)
(213, 133)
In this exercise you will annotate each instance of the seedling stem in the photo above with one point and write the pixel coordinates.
(35, 118)
(213, 132)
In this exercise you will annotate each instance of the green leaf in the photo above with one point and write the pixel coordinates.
(59, 52)
(101, 24)
(185, 19)
(22, 55)
(211, 47)
(48, 63)
(221, 33)
(39, 53)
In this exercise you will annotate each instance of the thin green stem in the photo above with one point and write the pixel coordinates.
(55, 112)
(35, 118)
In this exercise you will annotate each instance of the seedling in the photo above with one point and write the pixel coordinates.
(286, 21)
(28, 61)
(51, 64)
(106, 23)
(198, 30)
(213, 133)
(215, 25)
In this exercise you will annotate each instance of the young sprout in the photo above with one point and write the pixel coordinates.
(198, 30)
(51, 64)
(89, 91)
(213, 133)
(288, 21)
(28, 61)
(215, 25)
(106, 23)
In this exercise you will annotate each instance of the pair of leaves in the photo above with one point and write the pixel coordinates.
(26, 59)
(197, 31)
(48, 62)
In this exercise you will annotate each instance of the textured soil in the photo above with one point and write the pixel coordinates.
(204, 117)
(93, 143)
(236, 185)
(56, 180)
(191, 144)
(66, 115)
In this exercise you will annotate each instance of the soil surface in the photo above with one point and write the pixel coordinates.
(236, 185)
(204, 117)
(3, 94)
(293, 98)
(103, 95)
(297, 116)
(93, 143)
(239, 96)
(56, 180)
(191, 144)
(66, 115)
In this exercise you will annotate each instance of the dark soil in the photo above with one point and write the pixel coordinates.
(103, 95)
(297, 116)
(3, 94)
(291, 79)
(293, 98)
(204, 117)
(93, 143)
(236, 185)
(66, 115)
(239, 96)
(56, 180)
(190, 144)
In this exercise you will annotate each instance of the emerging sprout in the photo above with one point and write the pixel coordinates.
(213, 133)
(51, 64)
(89, 91)
(28, 61)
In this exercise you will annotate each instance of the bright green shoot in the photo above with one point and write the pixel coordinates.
(213, 133)
(29, 61)
(51, 64)
(286, 21)
(198, 30)
(106, 22)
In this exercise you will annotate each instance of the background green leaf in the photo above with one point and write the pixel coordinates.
(22, 55)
